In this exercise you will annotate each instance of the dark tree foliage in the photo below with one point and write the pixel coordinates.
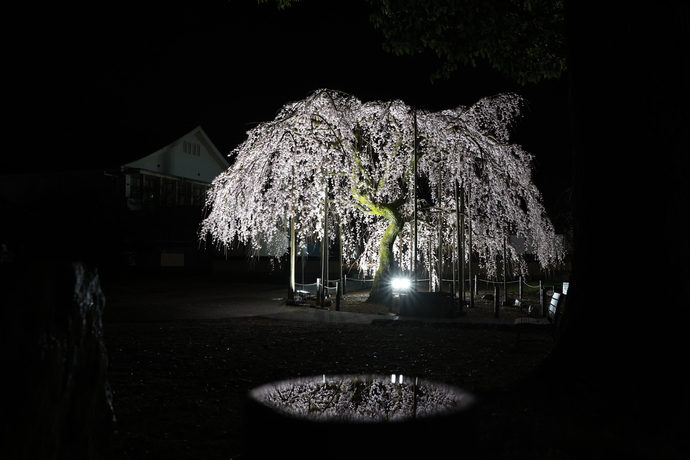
(522, 39)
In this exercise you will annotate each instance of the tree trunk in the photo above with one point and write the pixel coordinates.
(380, 289)
(628, 65)
(57, 402)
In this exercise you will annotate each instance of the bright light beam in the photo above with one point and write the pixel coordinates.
(400, 284)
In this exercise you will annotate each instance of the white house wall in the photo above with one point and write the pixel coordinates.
(192, 156)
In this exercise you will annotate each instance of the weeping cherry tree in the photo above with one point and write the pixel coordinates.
(368, 163)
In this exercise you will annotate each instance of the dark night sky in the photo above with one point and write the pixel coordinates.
(117, 67)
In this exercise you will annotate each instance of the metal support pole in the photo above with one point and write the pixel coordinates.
(473, 292)
(459, 223)
(324, 251)
(458, 243)
(505, 272)
(302, 251)
(293, 249)
(413, 262)
(293, 256)
(341, 284)
(461, 245)
(439, 249)
(431, 266)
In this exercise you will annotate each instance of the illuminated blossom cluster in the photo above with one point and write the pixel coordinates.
(359, 157)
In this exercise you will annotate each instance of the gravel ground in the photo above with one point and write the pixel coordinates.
(180, 385)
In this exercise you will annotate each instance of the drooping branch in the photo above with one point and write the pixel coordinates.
(367, 152)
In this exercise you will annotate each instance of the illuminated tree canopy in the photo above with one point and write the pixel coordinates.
(360, 157)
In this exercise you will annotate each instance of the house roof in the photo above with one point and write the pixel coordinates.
(82, 150)
(191, 156)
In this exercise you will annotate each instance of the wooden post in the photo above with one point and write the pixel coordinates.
(520, 288)
(496, 302)
(319, 291)
(337, 295)
(542, 298)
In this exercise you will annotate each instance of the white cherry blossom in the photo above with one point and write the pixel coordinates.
(361, 155)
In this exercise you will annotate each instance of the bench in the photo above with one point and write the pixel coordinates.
(548, 324)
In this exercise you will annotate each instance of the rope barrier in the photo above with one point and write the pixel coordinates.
(530, 286)
(498, 282)
(419, 280)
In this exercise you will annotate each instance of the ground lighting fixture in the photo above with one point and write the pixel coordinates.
(400, 284)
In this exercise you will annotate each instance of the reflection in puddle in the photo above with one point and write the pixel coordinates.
(362, 398)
